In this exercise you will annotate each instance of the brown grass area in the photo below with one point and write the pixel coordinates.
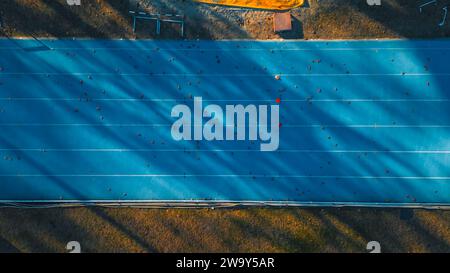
(55, 18)
(223, 230)
(331, 19)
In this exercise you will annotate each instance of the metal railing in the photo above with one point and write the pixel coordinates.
(159, 18)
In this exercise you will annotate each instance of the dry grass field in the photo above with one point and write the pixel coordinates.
(224, 230)
(331, 19)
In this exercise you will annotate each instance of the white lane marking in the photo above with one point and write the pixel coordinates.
(218, 100)
(170, 203)
(234, 175)
(324, 126)
(231, 49)
(150, 74)
(127, 150)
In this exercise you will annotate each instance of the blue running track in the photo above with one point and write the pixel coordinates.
(363, 123)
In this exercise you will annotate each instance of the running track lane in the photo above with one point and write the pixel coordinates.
(363, 122)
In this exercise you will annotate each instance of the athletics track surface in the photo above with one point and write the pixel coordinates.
(362, 123)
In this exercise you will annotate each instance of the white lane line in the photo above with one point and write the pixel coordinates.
(231, 49)
(219, 100)
(126, 150)
(150, 74)
(324, 126)
(233, 175)
(199, 202)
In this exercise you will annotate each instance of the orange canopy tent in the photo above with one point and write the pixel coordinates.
(258, 4)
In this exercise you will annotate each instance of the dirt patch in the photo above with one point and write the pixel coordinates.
(337, 19)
